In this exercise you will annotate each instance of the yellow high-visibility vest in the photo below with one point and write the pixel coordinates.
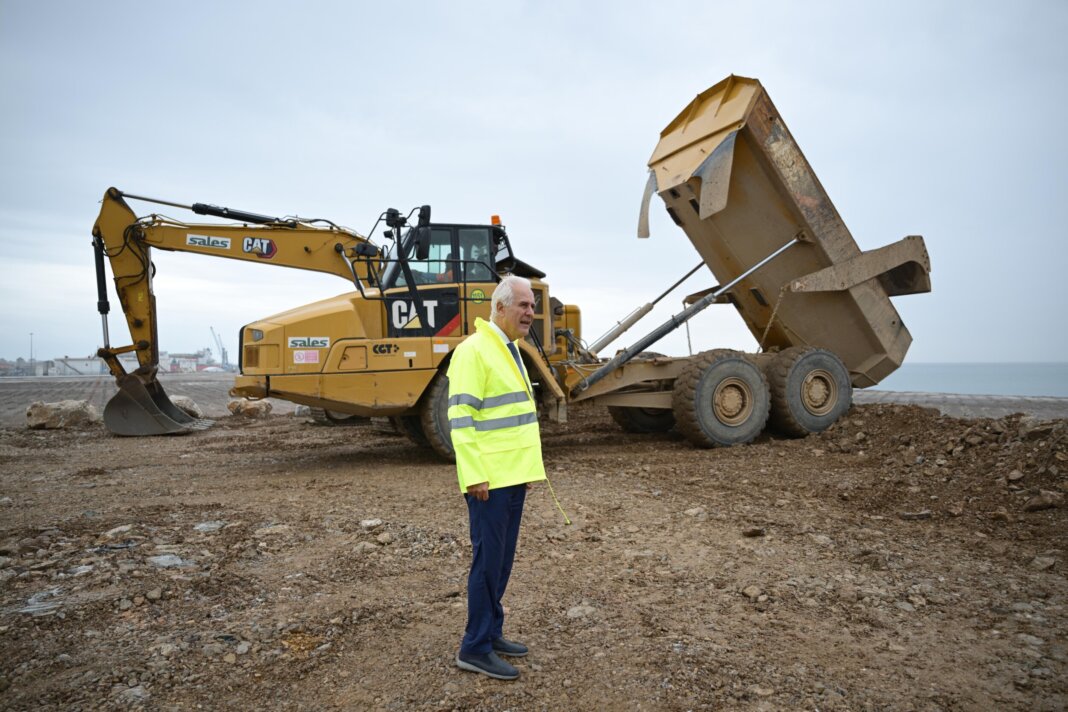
(492, 414)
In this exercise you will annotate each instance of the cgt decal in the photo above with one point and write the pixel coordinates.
(262, 247)
(385, 349)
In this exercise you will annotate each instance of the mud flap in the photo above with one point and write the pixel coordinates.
(138, 410)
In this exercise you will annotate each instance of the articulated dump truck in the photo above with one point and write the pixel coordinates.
(730, 175)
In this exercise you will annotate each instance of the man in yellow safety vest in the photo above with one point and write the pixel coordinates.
(498, 455)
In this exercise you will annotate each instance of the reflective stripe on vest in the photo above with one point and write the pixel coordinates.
(510, 421)
(491, 402)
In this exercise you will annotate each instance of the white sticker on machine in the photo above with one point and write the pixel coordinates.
(409, 354)
(309, 342)
(441, 348)
(311, 356)
(216, 243)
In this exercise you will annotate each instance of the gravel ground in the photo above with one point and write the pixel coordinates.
(902, 560)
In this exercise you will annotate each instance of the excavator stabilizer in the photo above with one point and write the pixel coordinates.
(138, 410)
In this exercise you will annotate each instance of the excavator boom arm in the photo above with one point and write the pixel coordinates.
(127, 242)
(141, 407)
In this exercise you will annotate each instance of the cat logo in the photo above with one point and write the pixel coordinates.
(405, 316)
(385, 349)
(478, 296)
(262, 247)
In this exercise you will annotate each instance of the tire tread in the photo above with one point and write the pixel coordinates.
(782, 418)
(684, 395)
(438, 440)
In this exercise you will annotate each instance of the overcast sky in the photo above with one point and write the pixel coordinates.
(943, 119)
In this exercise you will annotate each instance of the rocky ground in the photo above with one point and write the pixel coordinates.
(901, 560)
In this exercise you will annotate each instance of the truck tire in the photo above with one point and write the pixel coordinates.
(720, 399)
(332, 417)
(642, 420)
(386, 426)
(410, 427)
(810, 390)
(434, 417)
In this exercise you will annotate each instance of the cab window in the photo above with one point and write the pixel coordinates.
(475, 253)
(437, 268)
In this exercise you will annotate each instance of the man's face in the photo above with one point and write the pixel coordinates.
(515, 318)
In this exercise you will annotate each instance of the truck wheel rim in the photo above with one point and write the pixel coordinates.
(819, 392)
(732, 401)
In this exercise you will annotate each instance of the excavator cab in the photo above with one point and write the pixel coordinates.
(453, 253)
(439, 293)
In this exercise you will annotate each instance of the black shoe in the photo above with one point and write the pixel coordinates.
(488, 664)
(509, 648)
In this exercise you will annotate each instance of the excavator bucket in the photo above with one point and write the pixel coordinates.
(139, 409)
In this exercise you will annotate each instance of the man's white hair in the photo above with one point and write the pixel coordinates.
(505, 292)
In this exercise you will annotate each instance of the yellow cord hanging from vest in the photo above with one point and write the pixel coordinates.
(567, 522)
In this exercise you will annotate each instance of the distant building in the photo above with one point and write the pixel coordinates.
(187, 363)
(175, 362)
(93, 366)
(24, 367)
(11, 368)
(66, 366)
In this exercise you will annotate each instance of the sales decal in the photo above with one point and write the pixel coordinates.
(478, 296)
(310, 356)
(216, 243)
(262, 247)
(309, 342)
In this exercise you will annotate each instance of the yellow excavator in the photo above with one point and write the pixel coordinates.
(375, 351)
(731, 177)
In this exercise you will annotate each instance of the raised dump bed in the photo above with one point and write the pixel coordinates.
(735, 181)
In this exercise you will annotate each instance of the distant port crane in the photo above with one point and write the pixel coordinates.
(222, 349)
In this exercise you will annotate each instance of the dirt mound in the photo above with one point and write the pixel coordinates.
(900, 560)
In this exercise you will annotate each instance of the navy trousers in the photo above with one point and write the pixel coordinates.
(494, 533)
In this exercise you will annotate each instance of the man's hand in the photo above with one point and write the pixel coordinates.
(479, 491)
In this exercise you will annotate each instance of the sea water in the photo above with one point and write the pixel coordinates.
(999, 379)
